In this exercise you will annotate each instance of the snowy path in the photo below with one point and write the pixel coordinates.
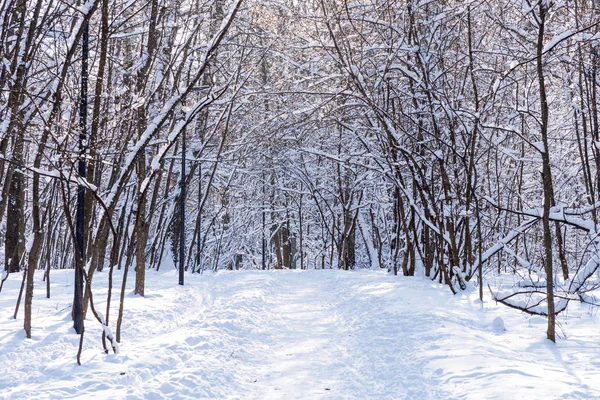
(296, 335)
(325, 341)
(307, 342)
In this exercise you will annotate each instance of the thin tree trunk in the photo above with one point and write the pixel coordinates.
(546, 176)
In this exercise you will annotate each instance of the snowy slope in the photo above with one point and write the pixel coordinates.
(296, 335)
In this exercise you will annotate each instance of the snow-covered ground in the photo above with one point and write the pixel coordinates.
(296, 335)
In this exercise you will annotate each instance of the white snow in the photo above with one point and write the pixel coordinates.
(294, 335)
(367, 236)
(498, 325)
(539, 147)
(552, 43)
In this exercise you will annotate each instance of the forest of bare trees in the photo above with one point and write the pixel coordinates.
(458, 140)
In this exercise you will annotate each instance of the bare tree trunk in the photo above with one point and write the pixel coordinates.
(14, 186)
(141, 229)
(546, 176)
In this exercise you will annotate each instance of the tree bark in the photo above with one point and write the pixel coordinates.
(546, 177)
